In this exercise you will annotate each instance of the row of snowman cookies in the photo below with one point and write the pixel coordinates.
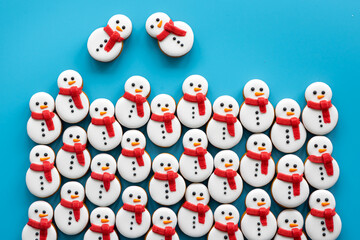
(194, 218)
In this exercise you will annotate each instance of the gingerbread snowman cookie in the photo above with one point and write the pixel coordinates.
(290, 224)
(164, 224)
(102, 220)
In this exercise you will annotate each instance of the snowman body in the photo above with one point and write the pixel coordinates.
(30, 233)
(251, 225)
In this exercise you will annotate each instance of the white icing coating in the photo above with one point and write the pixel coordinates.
(37, 129)
(64, 217)
(282, 136)
(250, 116)
(157, 133)
(173, 45)
(250, 169)
(101, 216)
(95, 189)
(97, 134)
(160, 189)
(98, 39)
(290, 219)
(312, 118)
(163, 217)
(187, 111)
(36, 182)
(65, 106)
(217, 131)
(128, 167)
(189, 165)
(219, 186)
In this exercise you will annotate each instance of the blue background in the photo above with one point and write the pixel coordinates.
(289, 44)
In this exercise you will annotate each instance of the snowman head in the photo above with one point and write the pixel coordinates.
(256, 88)
(197, 193)
(69, 78)
(290, 164)
(72, 191)
(164, 217)
(226, 159)
(41, 153)
(101, 108)
(162, 104)
(317, 92)
(226, 213)
(133, 139)
(165, 162)
(195, 84)
(226, 105)
(319, 145)
(155, 23)
(102, 215)
(103, 163)
(321, 200)
(39, 210)
(74, 134)
(259, 143)
(134, 195)
(41, 101)
(289, 219)
(138, 85)
(287, 108)
(257, 199)
(195, 138)
(121, 24)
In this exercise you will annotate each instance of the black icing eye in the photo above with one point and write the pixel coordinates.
(76, 192)
(117, 21)
(263, 199)
(70, 135)
(69, 191)
(230, 161)
(314, 92)
(133, 84)
(168, 218)
(158, 19)
(98, 163)
(295, 165)
(123, 27)
(292, 109)
(284, 109)
(255, 143)
(254, 199)
(141, 87)
(223, 160)
(45, 103)
(230, 213)
(96, 109)
(161, 164)
(318, 200)
(72, 78)
(139, 197)
(191, 84)
(287, 165)
(325, 146)
(261, 89)
(159, 105)
(37, 154)
(161, 217)
(295, 221)
(106, 216)
(190, 139)
(222, 212)
(199, 139)
(323, 92)
(201, 194)
(65, 79)
(98, 216)
(130, 195)
(221, 104)
(128, 139)
(151, 26)
(105, 108)
(315, 145)
(137, 140)
(166, 105)
(169, 164)
(326, 199)
(286, 220)
(199, 85)
(263, 144)
(37, 103)
(252, 89)
(44, 212)
(230, 105)
(107, 164)
(45, 154)
(77, 136)
(36, 211)
(193, 193)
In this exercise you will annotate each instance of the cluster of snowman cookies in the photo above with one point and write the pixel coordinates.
(225, 172)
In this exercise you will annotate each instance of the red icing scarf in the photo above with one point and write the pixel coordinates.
(200, 208)
(167, 232)
(139, 100)
(78, 148)
(106, 178)
(47, 116)
(199, 153)
(169, 27)
(170, 176)
(45, 167)
(138, 209)
(295, 179)
(229, 119)
(294, 233)
(200, 98)
(74, 92)
(230, 228)
(229, 174)
(166, 118)
(43, 226)
(261, 102)
(261, 212)
(294, 122)
(74, 205)
(114, 38)
(108, 122)
(328, 214)
(104, 229)
(264, 157)
(326, 159)
(137, 153)
(324, 106)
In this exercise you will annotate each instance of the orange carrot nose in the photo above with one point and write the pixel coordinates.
(320, 96)
(104, 168)
(164, 109)
(76, 140)
(119, 28)
(228, 217)
(44, 158)
(321, 150)
(104, 220)
(43, 106)
(43, 215)
(199, 198)
(136, 200)
(167, 221)
(74, 196)
(228, 164)
(261, 203)
(135, 143)
(292, 169)
(197, 89)
(71, 82)
(167, 168)
(290, 113)
(293, 225)
(160, 24)
(102, 113)
(138, 90)
(261, 148)
(259, 94)
(227, 109)
(197, 144)
(324, 204)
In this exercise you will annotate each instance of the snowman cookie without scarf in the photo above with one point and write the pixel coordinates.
(290, 224)
(164, 223)
(102, 220)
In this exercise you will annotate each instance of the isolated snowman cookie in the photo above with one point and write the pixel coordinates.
(256, 113)
(102, 220)
(290, 223)
(42, 178)
(43, 126)
(164, 223)
(105, 44)
(196, 163)
(175, 39)
(71, 214)
(72, 104)
(224, 130)
(194, 108)
(320, 116)
(132, 110)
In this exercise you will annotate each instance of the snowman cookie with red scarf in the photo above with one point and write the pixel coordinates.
(320, 116)
(290, 224)
(42, 178)
(164, 223)
(102, 220)
(44, 126)
(72, 104)
(175, 39)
